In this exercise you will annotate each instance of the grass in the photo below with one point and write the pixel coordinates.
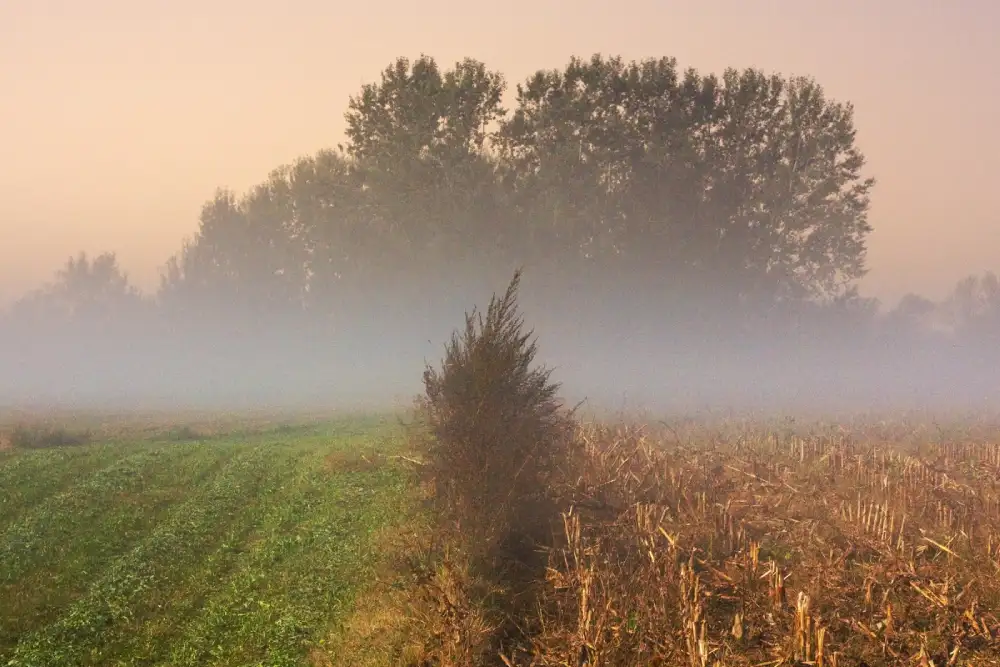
(188, 546)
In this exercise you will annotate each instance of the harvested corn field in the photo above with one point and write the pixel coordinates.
(837, 546)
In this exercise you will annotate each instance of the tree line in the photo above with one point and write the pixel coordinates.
(629, 190)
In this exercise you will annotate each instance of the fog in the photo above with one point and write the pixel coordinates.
(620, 351)
(689, 242)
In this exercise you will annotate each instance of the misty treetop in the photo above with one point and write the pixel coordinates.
(749, 183)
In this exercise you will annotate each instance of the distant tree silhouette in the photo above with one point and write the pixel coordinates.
(248, 257)
(973, 307)
(85, 291)
(913, 315)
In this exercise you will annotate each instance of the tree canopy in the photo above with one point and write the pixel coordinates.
(743, 187)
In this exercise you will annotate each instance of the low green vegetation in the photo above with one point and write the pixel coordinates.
(215, 550)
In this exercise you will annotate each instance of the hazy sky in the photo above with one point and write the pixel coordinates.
(118, 118)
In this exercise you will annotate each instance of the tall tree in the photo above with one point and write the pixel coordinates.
(341, 236)
(249, 255)
(748, 183)
(420, 138)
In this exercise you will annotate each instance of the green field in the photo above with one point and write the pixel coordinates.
(229, 550)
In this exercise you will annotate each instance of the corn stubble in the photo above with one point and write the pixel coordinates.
(775, 549)
(740, 544)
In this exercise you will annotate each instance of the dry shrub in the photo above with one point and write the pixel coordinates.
(460, 610)
(425, 607)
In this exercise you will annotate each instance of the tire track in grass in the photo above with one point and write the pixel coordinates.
(49, 527)
(40, 581)
(27, 478)
(152, 641)
(297, 581)
(199, 640)
(115, 600)
(341, 550)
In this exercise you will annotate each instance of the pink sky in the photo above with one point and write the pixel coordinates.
(118, 119)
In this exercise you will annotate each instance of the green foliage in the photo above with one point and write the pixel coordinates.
(419, 113)
(223, 552)
(183, 433)
(497, 423)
